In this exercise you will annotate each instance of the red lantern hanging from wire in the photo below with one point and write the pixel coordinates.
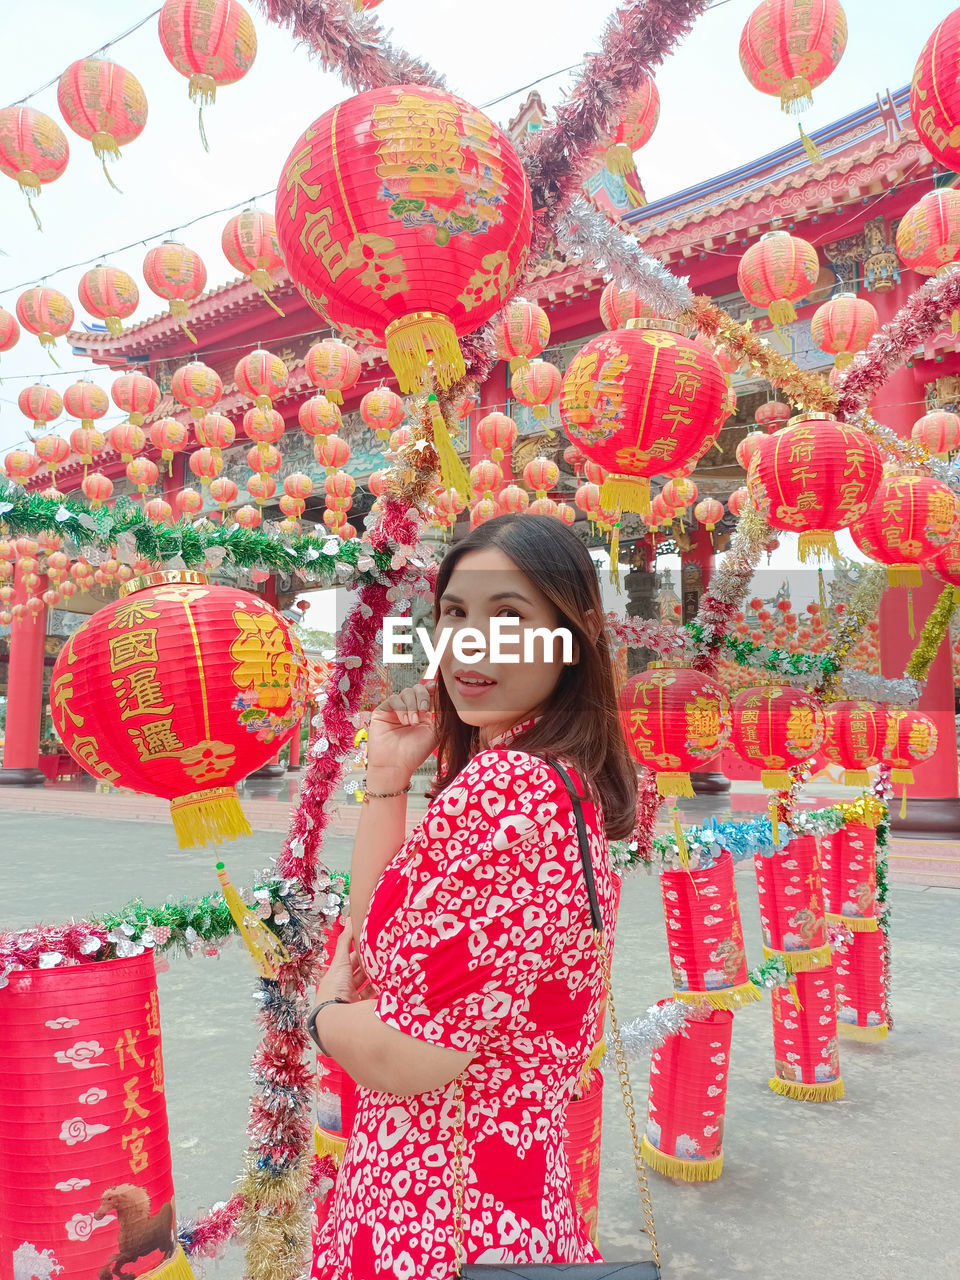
(176, 274)
(738, 500)
(618, 305)
(9, 330)
(48, 314)
(675, 721)
(103, 103)
(197, 387)
(638, 120)
(250, 245)
(33, 150)
(928, 235)
(265, 427)
(935, 94)
(776, 729)
(331, 452)
(428, 230)
(224, 492)
(261, 376)
(126, 440)
(261, 487)
(142, 472)
(748, 447)
(772, 415)
(318, 416)
(496, 433)
(939, 432)
(168, 436)
(709, 512)
(537, 386)
(777, 271)
(136, 394)
(206, 464)
(844, 326)
(789, 47)
(40, 403)
(54, 451)
(383, 410)
(97, 488)
(216, 432)
(911, 518)
(188, 502)
(211, 42)
(110, 295)
(521, 333)
(21, 465)
(333, 367)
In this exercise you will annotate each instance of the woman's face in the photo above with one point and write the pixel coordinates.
(486, 586)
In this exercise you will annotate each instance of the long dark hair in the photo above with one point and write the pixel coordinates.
(580, 724)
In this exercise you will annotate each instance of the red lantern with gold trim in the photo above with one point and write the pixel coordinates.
(814, 477)
(911, 738)
(333, 367)
(223, 491)
(21, 465)
(331, 452)
(54, 451)
(935, 93)
(318, 416)
(196, 386)
(675, 720)
(40, 403)
(142, 472)
(216, 432)
(137, 395)
(9, 330)
(679, 494)
(177, 274)
(777, 271)
(496, 433)
(537, 386)
(126, 439)
(805, 1046)
(86, 401)
(249, 243)
(640, 401)
(48, 313)
(211, 42)
(617, 306)
(709, 512)
(404, 217)
(911, 519)
(854, 738)
(738, 500)
(103, 103)
(263, 426)
(158, 509)
(110, 295)
(928, 236)
(843, 326)
(97, 488)
(206, 464)
(638, 120)
(939, 432)
(383, 410)
(180, 689)
(262, 376)
(188, 502)
(789, 47)
(776, 729)
(772, 415)
(522, 333)
(33, 150)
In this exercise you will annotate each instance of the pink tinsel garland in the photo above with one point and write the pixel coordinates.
(210, 1234)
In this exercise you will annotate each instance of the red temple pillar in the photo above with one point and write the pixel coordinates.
(294, 764)
(21, 747)
(696, 569)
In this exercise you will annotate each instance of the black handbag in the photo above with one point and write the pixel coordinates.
(643, 1270)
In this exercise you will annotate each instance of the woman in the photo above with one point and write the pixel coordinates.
(475, 932)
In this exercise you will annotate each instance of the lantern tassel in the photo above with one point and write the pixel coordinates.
(620, 159)
(681, 842)
(334, 396)
(675, 784)
(810, 147)
(540, 411)
(796, 95)
(626, 493)
(729, 998)
(179, 308)
(856, 778)
(801, 961)
(869, 1035)
(452, 470)
(114, 326)
(775, 780)
(267, 950)
(615, 554)
(420, 341)
(795, 996)
(911, 620)
(903, 802)
(856, 924)
(176, 1268)
(685, 1170)
(270, 302)
(824, 602)
(774, 821)
(827, 1092)
(206, 816)
(203, 89)
(518, 364)
(327, 1144)
(781, 311)
(904, 575)
(817, 544)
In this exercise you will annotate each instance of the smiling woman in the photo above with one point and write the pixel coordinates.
(481, 986)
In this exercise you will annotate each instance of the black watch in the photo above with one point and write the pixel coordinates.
(312, 1021)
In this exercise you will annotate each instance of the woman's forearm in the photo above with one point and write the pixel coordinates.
(381, 831)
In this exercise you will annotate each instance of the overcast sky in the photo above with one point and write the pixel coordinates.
(711, 121)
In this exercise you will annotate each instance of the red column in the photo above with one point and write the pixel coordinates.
(899, 402)
(294, 751)
(708, 781)
(21, 748)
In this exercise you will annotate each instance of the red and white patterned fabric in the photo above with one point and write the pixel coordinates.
(478, 938)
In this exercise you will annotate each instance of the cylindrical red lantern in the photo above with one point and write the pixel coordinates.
(404, 216)
(853, 871)
(40, 403)
(854, 738)
(789, 47)
(180, 689)
(814, 477)
(196, 386)
(249, 243)
(772, 414)
(33, 150)
(522, 333)
(935, 94)
(333, 367)
(776, 728)
(638, 120)
(777, 271)
(792, 919)
(805, 1047)
(910, 519)
(177, 274)
(83, 1124)
(938, 431)
(861, 989)
(843, 326)
(675, 720)
(687, 1099)
(928, 235)
(318, 416)
(261, 376)
(911, 738)
(137, 395)
(103, 103)
(709, 512)
(639, 401)
(537, 386)
(110, 295)
(46, 313)
(211, 42)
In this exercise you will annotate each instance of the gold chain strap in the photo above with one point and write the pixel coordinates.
(459, 1137)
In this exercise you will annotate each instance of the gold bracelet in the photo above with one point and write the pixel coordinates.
(385, 795)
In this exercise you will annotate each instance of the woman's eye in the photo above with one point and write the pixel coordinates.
(515, 613)
(452, 611)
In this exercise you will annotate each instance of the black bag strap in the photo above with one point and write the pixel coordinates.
(596, 919)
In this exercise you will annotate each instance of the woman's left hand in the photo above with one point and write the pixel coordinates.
(345, 978)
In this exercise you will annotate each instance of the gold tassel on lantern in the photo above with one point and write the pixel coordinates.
(810, 147)
(260, 279)
(675, 784)
(104, 148)
(452, 470)
(626, 493)
(678, 834)
(856, 778)
(817, 544)
(796, 95)
(114, 323)
(31, 186)
(675, 1167)
(178, 309)
(904, 575)
(420, 341)
(774, 820)
(615, 554)
(267, 950)
(911, 620)
(830, 1091)
(620, 159)
(205, 816)
(824, 602)
(781, 311)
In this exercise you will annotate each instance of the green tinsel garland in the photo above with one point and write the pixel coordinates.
(931, 637)
(780, 661)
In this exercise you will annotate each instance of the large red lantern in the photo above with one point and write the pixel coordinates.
(777, 271)
(537, 386)
(197, 386)
(854, 738)
(250, 245)
(939, 432)
(814, 477)
(261, 376)
(177, 274)
(638, 119)
(104, 103)
(675, 720)
(40, 403)
(639, 401)
(404, 217)
(843, 326)
(180, 689)
(911, 518)
(522, 333)
(928, 236)
(333, 367)
(911, 738)
(211, 42)
(776, 729)
(935, 93)
(46, 313)
(33, 150)
(136, 394)
(110, 295)
(789, 47)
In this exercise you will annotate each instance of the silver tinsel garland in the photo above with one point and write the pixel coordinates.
(641, 1036)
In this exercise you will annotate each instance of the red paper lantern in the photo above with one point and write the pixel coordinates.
(853, 893)
(946, 564)
(46, 313)
(86, 401)
(938, 431)
(617, 306)
(928, 236)
(206, 464)
(261, 376)
(97, 488)
(264, 458)
(404, 217)
(110, 295)
(318, 416)
(211, 42)
(223, 492)
(177, 274)
(748, 447)
(331, 452)
(158, 510)
(265, 427)
(679, 494)
(496, 433)
(772, 415)
(21, 465)
(537, 386)
(687, 1099)
(789, 47)
(776, 729)
(83, 1122)
(513, 499)
(188, 502)
(126, 440)
(196, 386)
(483, 510)
(639, 401)
(250, 245)
(777, 271)
(337, 487)
(709, 512)
(854, 738)
(805, 1047)
(180, 689)
(638, 120)
(143, 473)
(383, 410)
(216, 432)
(540, 474)
(738, 500)
(675, 720)
(522, 333)
(103, 103)
(300, 486)
(813, 477)
(935, 95)
(911, 738)
(248, 517)
(792, 921)
(137, 395)
(9, 330)
(33, 150)
(54, 451)
(911, 519)
(86, 443)
(333, 367)
(40, 403)
(168, 436)
(861, 989)
(843, 326)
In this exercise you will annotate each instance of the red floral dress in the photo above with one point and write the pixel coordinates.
(478, 938)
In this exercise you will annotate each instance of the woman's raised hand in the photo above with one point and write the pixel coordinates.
(401, 735)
